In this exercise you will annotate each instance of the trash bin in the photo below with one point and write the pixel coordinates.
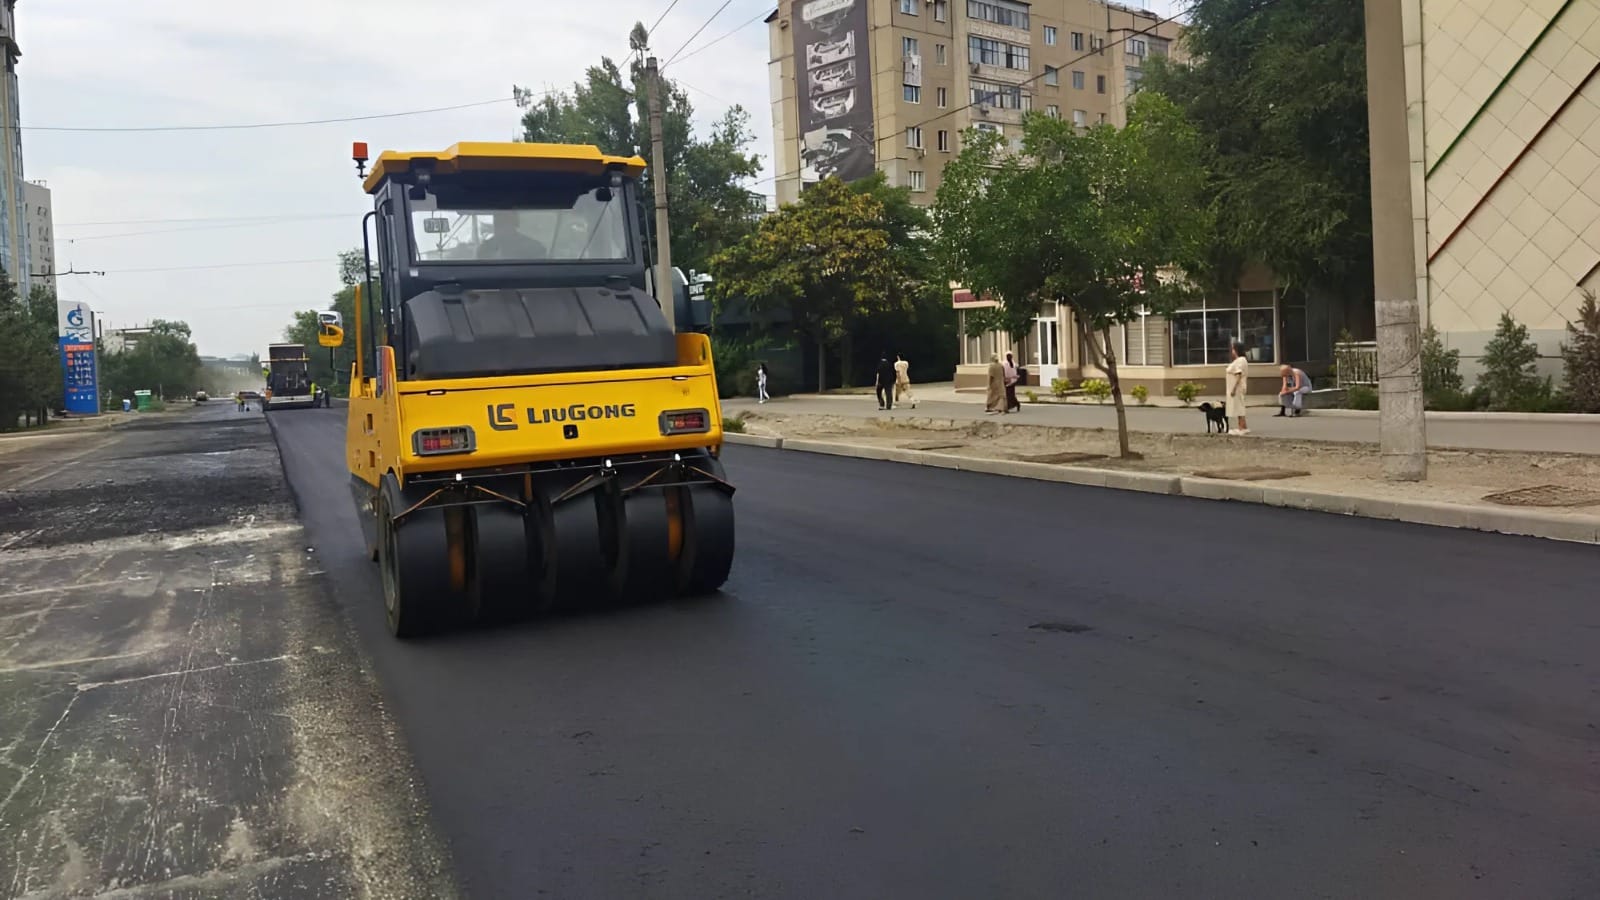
(142, 399)
(127, 405)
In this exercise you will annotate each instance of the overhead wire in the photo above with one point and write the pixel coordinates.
(707, 46)
(703, 26)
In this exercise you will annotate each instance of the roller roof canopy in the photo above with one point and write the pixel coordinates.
(508, 156)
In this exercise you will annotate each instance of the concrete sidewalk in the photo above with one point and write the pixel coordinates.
(1475, 431)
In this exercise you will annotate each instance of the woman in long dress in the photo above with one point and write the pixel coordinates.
(902, 381)
(995, 402)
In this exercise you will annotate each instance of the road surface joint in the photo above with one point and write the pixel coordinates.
(1553, 526)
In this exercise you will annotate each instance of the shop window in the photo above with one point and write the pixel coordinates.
(1202, 330)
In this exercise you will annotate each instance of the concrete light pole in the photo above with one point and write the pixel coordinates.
(1402, 427)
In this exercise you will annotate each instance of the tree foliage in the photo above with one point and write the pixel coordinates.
(1279, 92)
(1097, 219)
(331, 368)
(609, 108)
(164, 361)
(829, 260)
(1581, 357)
(30, 362)
(1510, 375)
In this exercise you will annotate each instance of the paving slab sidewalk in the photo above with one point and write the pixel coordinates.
(1483, 431)
(1335, 478)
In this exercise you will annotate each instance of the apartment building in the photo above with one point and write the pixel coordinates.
(15, 247)
(892, 84)
(41, 232)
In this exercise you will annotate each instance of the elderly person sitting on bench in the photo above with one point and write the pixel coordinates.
(1292, 397)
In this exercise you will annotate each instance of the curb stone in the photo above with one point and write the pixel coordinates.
(1417, 512)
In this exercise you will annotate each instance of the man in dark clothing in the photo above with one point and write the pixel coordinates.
(885, 382)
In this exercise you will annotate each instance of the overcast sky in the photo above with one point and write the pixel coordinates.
(115, 64)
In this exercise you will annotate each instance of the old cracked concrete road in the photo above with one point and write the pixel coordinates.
(183, 713)
(934, 684)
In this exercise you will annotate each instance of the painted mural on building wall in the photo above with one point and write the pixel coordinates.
(835, 89)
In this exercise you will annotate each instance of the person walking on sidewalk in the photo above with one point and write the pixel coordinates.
(885, 382)
(1237, 380)
(1292, 397)
(1012, 376)
(902, 381)
(761, 383)
(995, 401)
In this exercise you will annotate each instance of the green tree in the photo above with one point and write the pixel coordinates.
(1441, 375)
(1581, 357)
(1509, 367)
(331, 368)
(30, 367)
(1279, 93)
(164, 361)
(827, 259)
(1098, 219)
(609, 108)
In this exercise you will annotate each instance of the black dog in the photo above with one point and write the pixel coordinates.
(1217, 415)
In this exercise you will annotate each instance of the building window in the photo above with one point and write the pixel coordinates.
(1080, 118)
(997, 53)
(1102, 118)
(1159, 46)
(943, 95)
(908, 46)
(1053, 111)
(914, 137)
(909, 7)
(919, 181)
(941, 10)
(1202, 329)
(1077, 80)
(1050, 35)
(1000, 12)
(944, 142)
(912, 93)
(1052, 75)
(938, 55)
(1077, 40)
(1004, 96)
(1143, 341)
(1134, 74)
(1099, 84)
(1137, 47)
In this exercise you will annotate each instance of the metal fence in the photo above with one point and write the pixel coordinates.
(1355, 362)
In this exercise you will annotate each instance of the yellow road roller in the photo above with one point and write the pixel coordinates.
(526, 431)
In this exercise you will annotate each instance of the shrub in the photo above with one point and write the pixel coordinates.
(1441, 368)
(734, 425)
(1187, 391)
(1581, 357)
(735, 366)
(1359, 396)
(1452, 401)
(1098, 388)
(1508, 368)
(1032, 396)
(1140, 393)
(1060, 386)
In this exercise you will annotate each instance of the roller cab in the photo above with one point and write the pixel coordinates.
(526, 432)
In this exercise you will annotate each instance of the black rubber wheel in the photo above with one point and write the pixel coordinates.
(707, 556)
(588, 558)
(413, 558)
(646, 522)
(504, 570)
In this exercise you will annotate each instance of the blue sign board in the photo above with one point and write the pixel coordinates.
(82, 381)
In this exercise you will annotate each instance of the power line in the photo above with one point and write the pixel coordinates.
(257, 125)
(652, 29)
(285, 218)
(697, 32)
(703, 47)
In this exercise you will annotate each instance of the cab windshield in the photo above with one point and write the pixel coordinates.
(575, 223)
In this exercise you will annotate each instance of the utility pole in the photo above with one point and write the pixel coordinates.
(1401, 425)
(658, 179)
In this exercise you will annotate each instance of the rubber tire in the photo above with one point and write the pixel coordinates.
(588, 573)
(708, 537)
(650, 564)
(504, 570)
(415, 569)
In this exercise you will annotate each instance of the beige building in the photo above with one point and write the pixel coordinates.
(891, 84)
(41, 232)
(1504, 134)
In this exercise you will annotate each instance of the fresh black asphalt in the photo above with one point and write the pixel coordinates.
(928, 684)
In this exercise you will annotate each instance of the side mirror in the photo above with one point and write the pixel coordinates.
(330, 336)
